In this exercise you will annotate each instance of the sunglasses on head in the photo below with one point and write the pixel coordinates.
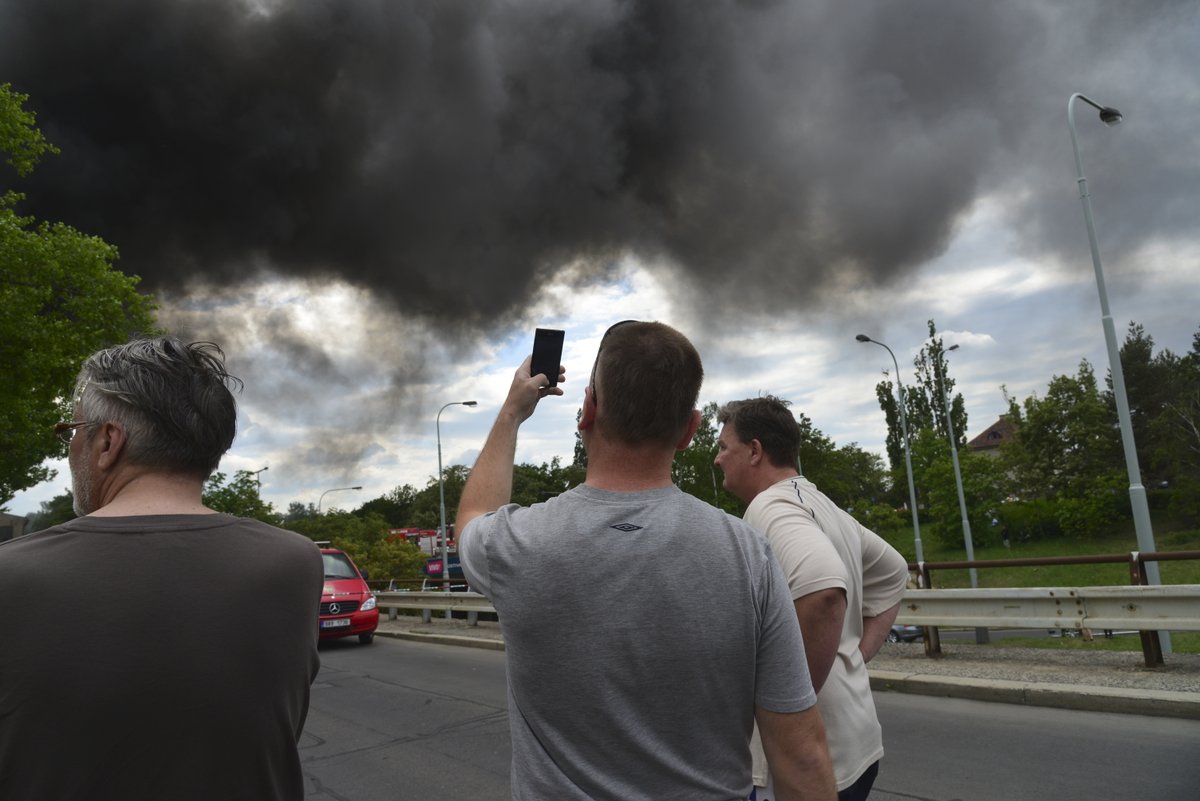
(599, 350)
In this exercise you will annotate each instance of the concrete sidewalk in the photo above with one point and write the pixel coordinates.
(1099, 681)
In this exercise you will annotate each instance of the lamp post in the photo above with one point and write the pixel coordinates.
(326, 492)
(442, 499)
(962, 502)
(912, 491)
(1137, 492)
(257, 480)
(981, 633)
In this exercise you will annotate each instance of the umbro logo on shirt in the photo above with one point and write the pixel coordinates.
(626, 527)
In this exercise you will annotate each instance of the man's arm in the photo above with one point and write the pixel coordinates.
(885, 574)
(875, 631)
(798, 754)
(490, 484)
(821, 615)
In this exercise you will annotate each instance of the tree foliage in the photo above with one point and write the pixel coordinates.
(925, 407)
(693, 470)
(239, 496)
(57, 510)
(1067, 448)
(60, 301)
(984, 489)
(366, 539)
(20, 139)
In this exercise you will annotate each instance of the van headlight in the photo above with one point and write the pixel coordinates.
(368, 604)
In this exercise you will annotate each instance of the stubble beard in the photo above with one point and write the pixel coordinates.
(81, 486)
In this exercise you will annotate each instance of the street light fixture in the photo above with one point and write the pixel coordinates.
(1137, 492)
(326, 492)
(442, 498)
(257, 480)
(912, 490)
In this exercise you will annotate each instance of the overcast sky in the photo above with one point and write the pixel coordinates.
(371, 205)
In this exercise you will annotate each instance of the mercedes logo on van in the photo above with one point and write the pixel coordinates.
(334, 608)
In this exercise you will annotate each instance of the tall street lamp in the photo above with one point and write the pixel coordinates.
(1137, 492)
(442, 498)
(326, 492)
(912, 490)
(981, 633)
(962, 502)
(257, 480)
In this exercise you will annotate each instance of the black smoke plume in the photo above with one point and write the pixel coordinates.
(449, 154)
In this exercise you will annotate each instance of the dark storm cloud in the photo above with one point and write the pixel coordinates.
(449, 154)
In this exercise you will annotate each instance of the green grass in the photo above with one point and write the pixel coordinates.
(1086, 575)
(1183, 642)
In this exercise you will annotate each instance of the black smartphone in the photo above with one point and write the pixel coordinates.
(547, 353)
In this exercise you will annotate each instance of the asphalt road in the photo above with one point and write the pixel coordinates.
(400, 720)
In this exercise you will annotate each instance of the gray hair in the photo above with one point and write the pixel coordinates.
(172, 399)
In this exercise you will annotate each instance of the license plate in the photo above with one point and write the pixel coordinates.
(336, 623)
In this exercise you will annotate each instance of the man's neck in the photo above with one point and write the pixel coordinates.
(621, 469)
(773, 475)
(153, 494)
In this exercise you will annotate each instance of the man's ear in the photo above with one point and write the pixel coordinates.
(109, 445)
(693, 424)
(588, 417)
(756, 452)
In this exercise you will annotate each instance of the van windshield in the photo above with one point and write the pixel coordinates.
(338, 566)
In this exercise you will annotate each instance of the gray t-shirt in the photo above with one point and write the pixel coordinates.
(641, 628)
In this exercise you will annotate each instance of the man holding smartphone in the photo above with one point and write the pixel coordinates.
(625, 681)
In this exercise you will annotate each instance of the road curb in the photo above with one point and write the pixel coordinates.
(1161, 703)
(443, 639)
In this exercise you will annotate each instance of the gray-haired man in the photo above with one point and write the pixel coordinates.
(153, 648)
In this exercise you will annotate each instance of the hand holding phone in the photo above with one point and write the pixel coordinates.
(547, 354)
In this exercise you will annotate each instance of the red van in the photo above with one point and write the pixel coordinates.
(347, 603)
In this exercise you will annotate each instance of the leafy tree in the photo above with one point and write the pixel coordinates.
(693, 470)
(537, 483)
(239, 496)
(394, 507)
(59, 509)
(20, 138)
(60, 301)
(1067, 448)
(367, 542)
(983, 491)
(1151, 382)
(924, 406)
(1176, 434)
(298, 511)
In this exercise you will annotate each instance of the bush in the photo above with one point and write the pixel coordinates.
(879, 517)
(1185, 500)
(1028, 521)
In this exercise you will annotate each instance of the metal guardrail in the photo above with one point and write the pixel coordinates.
(1174, 607)
(427, 602)
(1152, 650)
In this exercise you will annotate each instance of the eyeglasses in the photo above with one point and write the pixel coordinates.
(599, 350)
(66, 431)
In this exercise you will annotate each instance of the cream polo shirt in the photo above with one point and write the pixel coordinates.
(819, 546)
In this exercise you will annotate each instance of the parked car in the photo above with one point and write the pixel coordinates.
(904, 633)
(347, 603)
